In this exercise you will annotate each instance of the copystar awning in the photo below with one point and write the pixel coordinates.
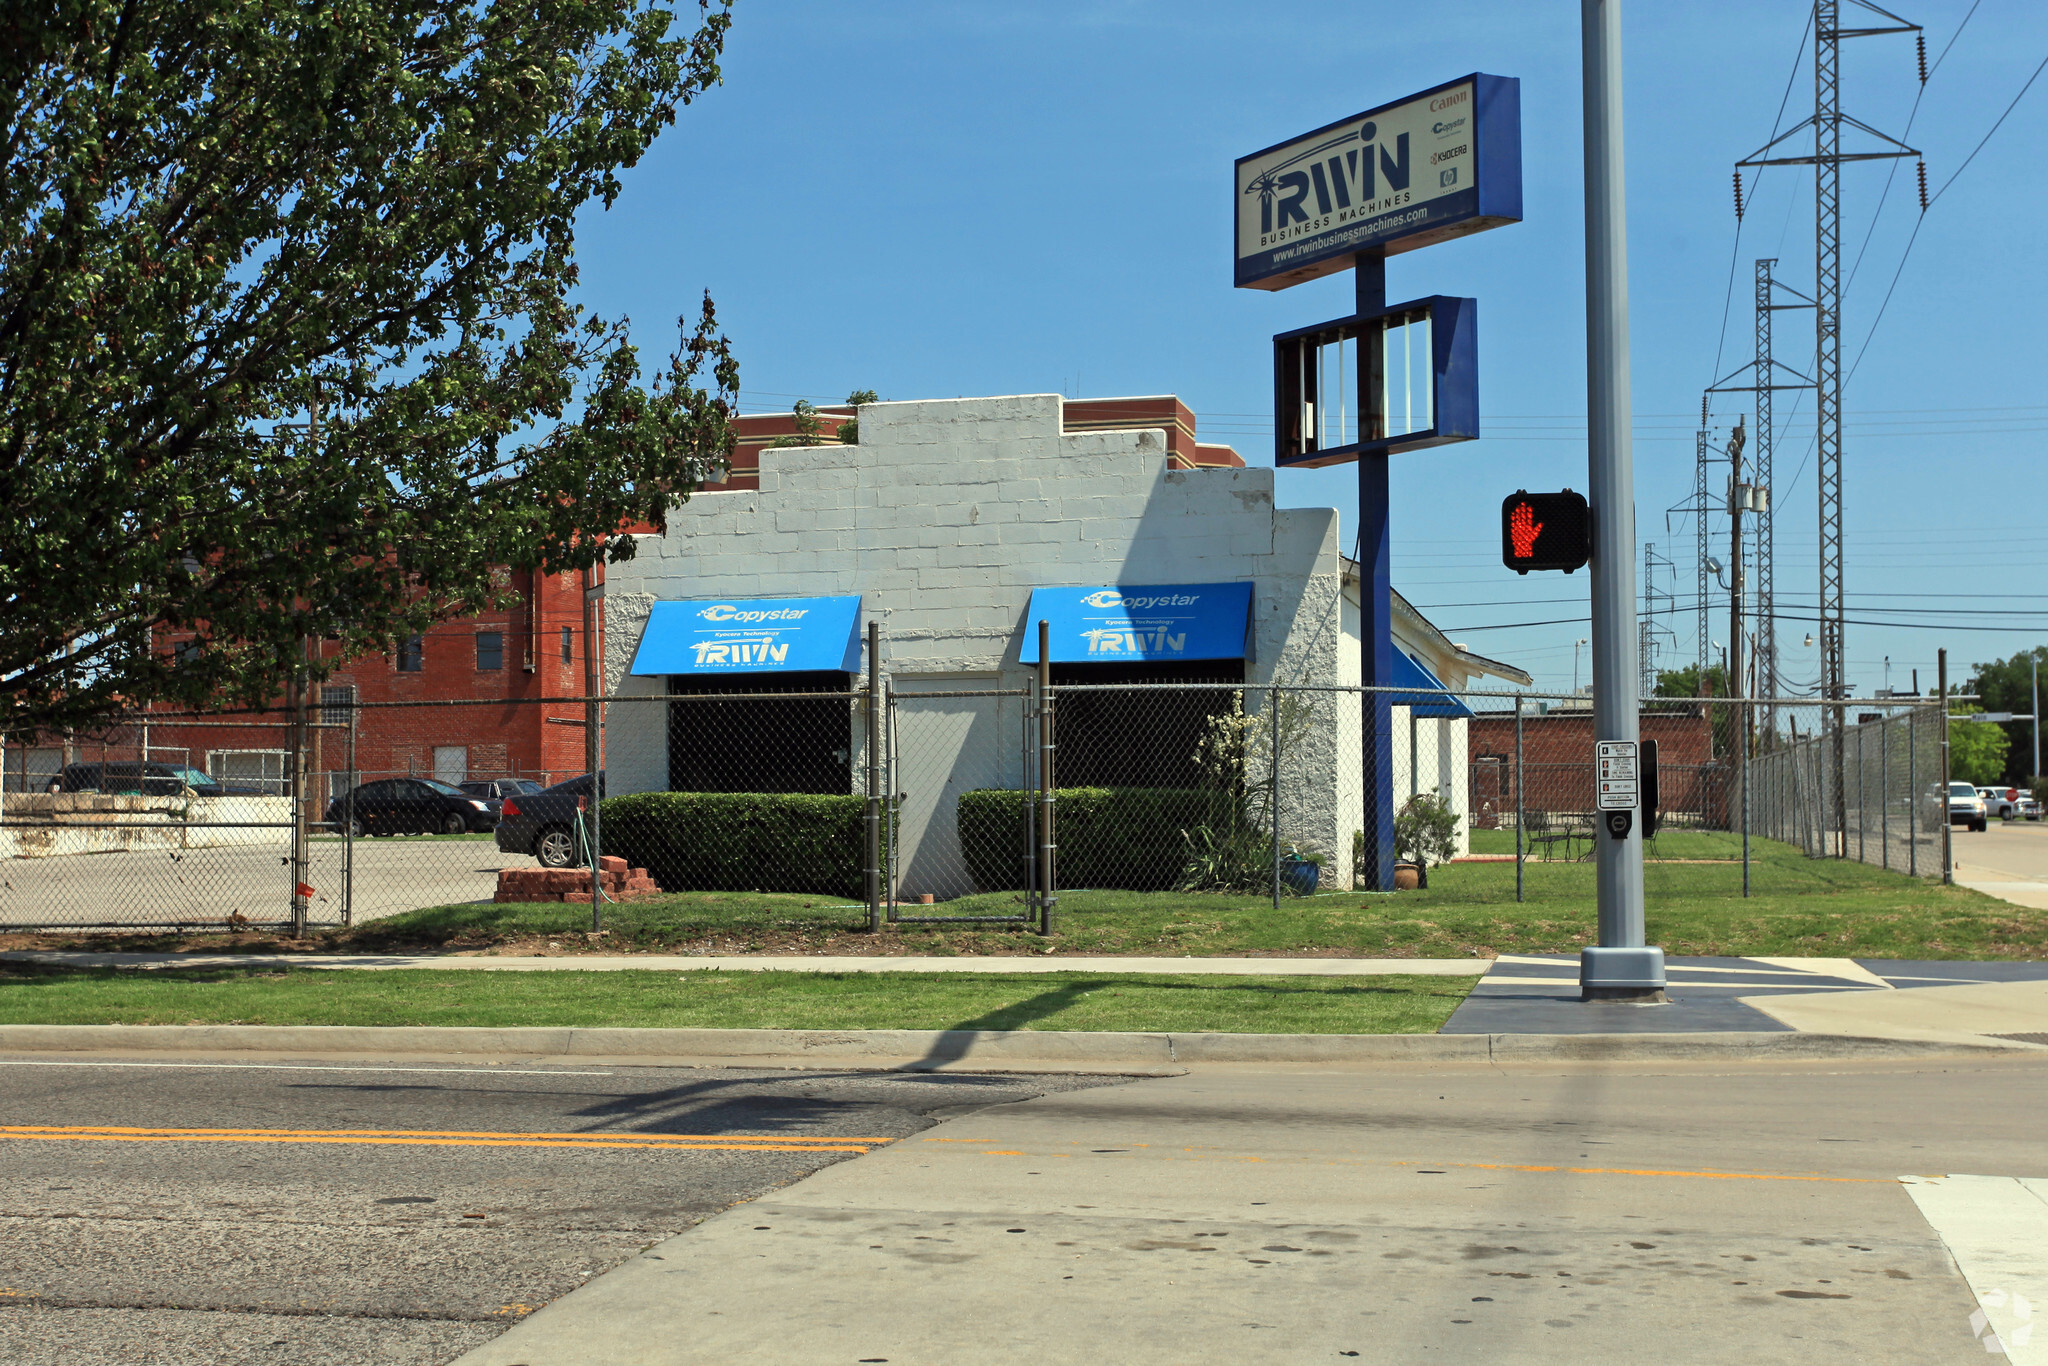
(751, 635)
(1435, 702)
(1149, 623)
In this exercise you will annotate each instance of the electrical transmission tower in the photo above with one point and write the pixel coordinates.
(1827, 159)
(1766, 376)
(1651, 633)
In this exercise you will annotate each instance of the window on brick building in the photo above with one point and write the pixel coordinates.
(412, 655)
(337, 704)
(568, 646)
(490, 650)
(185, 651)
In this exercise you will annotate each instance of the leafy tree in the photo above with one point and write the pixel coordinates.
(1976, 749)
(849, 430)
(287, 347)
(1425, 832)
(805, 415)
(1685, 682)
(2007, 685)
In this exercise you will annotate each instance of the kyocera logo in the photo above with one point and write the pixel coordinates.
(1450, 154)
(1446, 128)
(1333, 181)
(1109, 597)
(725, 611)
(762, 650)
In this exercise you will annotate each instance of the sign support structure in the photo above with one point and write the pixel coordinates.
(1623, 966)
(1375, 600)
(1437, 165)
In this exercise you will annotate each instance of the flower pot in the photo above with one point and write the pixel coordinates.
(1298, 877)
(1407, 877)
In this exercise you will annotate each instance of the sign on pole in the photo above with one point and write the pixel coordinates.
(1618, 779)
(1436, 165)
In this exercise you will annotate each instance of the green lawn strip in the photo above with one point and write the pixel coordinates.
(733, 1000)
(1799, 907)
(1670, 844)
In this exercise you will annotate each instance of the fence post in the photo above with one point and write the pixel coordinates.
(1518, 797)
(300, 909)
(1273, 780)
(1884, 788)
(1912, 795)
(874, 777)
(1047, 846)
(348, 825)
(596, 746)
(1948, 850)
(1748, 720)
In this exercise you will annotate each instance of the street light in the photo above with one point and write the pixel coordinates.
(1575, 665)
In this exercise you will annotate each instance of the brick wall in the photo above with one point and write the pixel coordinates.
(1557, 756)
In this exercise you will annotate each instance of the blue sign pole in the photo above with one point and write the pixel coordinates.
(1375, 588)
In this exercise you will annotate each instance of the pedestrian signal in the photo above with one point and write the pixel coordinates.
(1545, 531)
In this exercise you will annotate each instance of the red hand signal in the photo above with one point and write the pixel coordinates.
(1523, 529)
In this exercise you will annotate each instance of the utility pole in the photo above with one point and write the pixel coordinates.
(1622, 966)
(1699, 512)
(1738, 495)
(1826, 161)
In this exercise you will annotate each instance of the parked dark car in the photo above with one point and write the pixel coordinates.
(493, 791)
(409, 806)
(151, 780)
(543, 823)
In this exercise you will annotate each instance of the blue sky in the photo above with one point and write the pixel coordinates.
(933, 200)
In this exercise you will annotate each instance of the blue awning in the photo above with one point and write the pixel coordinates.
(1410, 673)
(1148, 623)
(757, 635)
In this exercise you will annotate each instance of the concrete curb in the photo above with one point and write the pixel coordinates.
(963, 1050)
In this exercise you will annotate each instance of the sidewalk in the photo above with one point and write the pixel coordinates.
(1549, 1214)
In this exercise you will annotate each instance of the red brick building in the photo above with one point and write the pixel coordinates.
(1556, 767)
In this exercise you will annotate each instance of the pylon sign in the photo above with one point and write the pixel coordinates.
(1545, 531)
(1435, 165)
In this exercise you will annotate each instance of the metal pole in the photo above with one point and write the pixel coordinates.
(2034, 697)
(301, 909)
(348, 825)
(1623, 965)
(1948, 848)
(1913, 789)
(1748, 715)
(874, 777)
(596, 817)
(1047, 844)
(1519, 847)
(1375, 569)
(1273, 802)
(1884, 793)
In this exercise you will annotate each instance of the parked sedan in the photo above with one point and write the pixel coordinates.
(492, 792)
(153, 780)
(1966, 807)
(408, 806)
(544, 823)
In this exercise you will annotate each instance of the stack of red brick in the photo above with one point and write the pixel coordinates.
(573, 884)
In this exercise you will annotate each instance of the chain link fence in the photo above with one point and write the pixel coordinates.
(1003, 799)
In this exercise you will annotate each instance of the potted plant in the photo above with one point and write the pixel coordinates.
(1425, 831)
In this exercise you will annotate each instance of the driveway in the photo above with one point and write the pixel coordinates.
(2008, 861)
(204, 886)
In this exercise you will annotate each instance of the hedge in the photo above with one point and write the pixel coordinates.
(741, 841)
(1109, 837)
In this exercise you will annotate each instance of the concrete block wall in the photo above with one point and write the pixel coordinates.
(944, 519)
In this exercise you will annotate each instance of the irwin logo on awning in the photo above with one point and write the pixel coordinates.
(760, 651)
(1102, 642)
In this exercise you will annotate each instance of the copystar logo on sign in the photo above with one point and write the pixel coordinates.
(746, 650)
(746, 616)
(1109, 597)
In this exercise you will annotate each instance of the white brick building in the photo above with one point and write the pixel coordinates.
(942, 521)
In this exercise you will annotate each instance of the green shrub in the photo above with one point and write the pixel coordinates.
(1124, 838)
(741, 841)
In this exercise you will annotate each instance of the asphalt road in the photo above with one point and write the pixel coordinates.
(481, 1198)
(204, 886)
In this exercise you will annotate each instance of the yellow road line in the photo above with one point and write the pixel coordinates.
(424, 1133)
(440, 1139)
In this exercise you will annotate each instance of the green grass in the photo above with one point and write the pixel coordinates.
(1800, 907)
(734, 1000)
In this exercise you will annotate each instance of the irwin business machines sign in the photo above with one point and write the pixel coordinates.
(1137, 624)
(1437, 165)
